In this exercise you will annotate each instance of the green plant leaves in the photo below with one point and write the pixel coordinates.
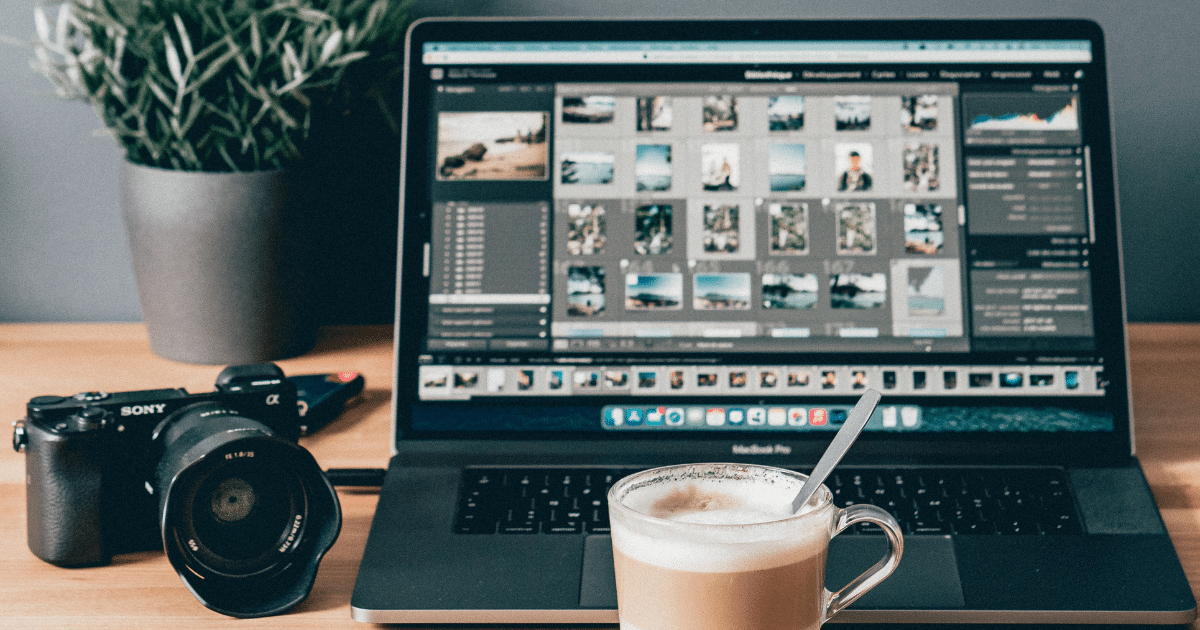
(217, 85)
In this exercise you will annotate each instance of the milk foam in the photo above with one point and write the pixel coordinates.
(756, 512)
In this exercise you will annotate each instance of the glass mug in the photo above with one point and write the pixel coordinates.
(717, 547)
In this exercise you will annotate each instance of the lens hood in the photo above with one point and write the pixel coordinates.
(246, 516)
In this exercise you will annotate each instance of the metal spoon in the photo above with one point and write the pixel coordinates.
(837, 448)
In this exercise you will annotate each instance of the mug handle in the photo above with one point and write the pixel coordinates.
(859, 513)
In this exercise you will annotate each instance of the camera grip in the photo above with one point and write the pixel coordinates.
(64, 496)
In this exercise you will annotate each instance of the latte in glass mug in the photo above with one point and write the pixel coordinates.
(717, 547)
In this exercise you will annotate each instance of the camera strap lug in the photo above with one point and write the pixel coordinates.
(20, 437)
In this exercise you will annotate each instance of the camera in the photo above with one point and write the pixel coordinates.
(216, 479)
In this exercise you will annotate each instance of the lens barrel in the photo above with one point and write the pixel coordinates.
(246, 515)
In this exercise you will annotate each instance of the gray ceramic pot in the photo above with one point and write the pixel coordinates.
(219, 261)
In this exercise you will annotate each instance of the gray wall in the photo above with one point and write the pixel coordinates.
(64, 254)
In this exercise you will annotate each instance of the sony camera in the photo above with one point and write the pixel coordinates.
(216, 479)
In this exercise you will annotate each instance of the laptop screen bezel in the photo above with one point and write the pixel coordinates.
(1109, 321)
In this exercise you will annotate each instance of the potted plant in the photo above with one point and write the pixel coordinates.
(213, 102)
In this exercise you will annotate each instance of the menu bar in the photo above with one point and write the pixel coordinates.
(913, 51)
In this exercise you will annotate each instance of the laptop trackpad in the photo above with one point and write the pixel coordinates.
(926, 578)
(598, 588)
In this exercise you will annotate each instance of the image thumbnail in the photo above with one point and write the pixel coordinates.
(719, 166)
(789, 228)
(721, 291)
(653, 167)
(654, 113)
(798, 379)
(923, 228)
(586, 379)
(436, 378)
(616, 379)
(496, 378)
(654, 291)
(919, 113)
(466, 380)
(720, 113)
(721, 229)
(489, 146)
(785, 167)
(586, 229)
(852, 113)
(652, 229)
(854, 163)
(585, 291)
(587, 167)
(920, 167)
(788, 290)
(588, 109)
(856, 228)
(785, 113)
(858, 290)
(926, 292)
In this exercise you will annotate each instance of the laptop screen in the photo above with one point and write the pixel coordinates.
(612, 230)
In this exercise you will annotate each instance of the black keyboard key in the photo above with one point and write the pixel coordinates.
(473, 524)
(930, 527)
(563, 521)
(1062, 524)
(599, 528)
(1018, 527)
(975, 527)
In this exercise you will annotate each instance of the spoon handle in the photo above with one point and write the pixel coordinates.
(837, 448)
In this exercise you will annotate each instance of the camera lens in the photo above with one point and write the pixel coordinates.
(246, 515)
(233, 500)
(240, 512)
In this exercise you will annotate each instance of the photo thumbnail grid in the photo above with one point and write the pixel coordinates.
(712, 203)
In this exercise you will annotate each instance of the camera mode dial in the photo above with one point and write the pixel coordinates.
(90, 419)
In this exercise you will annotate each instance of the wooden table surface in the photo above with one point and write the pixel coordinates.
(142, 591)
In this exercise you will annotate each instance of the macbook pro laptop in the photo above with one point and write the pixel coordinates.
(630, 243)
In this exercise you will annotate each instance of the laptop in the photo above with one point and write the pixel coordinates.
(631, 243)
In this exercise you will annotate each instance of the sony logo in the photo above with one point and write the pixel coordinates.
(142, 410)
(761, 449)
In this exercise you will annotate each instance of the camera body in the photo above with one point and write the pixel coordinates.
(91, 460)
(216, 480)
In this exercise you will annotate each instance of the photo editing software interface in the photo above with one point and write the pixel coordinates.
(646, 224)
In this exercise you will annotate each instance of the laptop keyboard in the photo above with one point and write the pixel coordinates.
(1012, 501)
